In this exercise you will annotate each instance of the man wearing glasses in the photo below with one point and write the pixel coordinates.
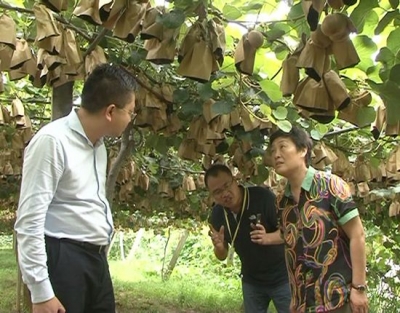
(244, 220)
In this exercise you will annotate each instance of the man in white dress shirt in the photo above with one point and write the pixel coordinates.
(64, 220)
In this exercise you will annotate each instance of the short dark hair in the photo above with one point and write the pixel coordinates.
(214, 170)
(108, 84)
(300, 138)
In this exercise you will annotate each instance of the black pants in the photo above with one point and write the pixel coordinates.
(80, 277)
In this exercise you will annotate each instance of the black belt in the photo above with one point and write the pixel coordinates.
(85, 245)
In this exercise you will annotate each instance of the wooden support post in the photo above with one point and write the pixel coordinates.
(136, 243)
(23, 300)
(176, 254)
(113, 238)
(121, 245)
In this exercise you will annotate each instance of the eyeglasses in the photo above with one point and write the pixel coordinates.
(132, 114)
(219, 192)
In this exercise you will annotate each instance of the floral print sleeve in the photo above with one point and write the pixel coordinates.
(341, 200)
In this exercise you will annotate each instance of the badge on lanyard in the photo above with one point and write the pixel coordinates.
(231, 253)
(231, 250)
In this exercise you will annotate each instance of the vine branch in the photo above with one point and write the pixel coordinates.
(95, 42)
(341, 131)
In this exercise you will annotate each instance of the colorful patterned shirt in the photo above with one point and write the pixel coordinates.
(317, 249)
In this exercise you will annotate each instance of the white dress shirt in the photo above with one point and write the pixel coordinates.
(62, 196)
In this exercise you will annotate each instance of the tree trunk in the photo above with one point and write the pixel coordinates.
(127, 144)
(61, 103)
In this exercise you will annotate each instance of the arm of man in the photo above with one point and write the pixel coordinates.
(42, 169)
(355, 232)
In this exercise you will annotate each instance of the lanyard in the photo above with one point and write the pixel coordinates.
(245, 196)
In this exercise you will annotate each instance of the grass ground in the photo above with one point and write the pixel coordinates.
(8, 280)
(140, 290)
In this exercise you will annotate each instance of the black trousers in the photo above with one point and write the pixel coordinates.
(80, 277)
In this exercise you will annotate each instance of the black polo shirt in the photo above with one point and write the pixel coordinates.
(261, 265)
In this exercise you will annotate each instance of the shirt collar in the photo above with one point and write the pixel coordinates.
(75, 124)
(307, 181)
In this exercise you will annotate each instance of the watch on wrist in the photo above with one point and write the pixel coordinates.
(360, 288)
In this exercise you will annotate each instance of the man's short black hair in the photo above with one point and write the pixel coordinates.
(299, 137)
(108, 84)
(214, 170)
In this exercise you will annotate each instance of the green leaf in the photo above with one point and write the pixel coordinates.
(376, 87)
(138, 56)
(366, 116)
(396, 21)
(293, 114)
(180, 95)
(385, 21)
(205, 91)
(223, 83)
(277, 30)
(394, 75)
(375, 162)
(281, 52)
(373, 72)
(192, 108)
(173, 19)
(271, 89)
(359, 14)
(253, 6)
(315, 134)
(394, 3)
(223, 107)
(393, 42)
(229, 64)
(370, 22)
(231, 12)
(365, 48)
(265, 109)
(286, 126)
(274, 34)
(296, 11)
(322, 129)
(385, 56)
(262, 174)
(280, 113)
(390, 92)
(182, 4)
(161, 145)
(384, 73)
(17, 3)
(350, 83)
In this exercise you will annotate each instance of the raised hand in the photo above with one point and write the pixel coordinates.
(217, 237)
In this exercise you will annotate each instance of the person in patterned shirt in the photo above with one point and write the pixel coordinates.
(323, 234)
